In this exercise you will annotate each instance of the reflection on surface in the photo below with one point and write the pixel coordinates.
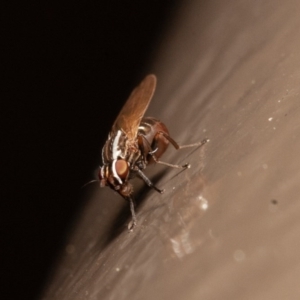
(186, 208)
(182, 244)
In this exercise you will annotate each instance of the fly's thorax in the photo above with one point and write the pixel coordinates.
(118, 146)
(115, 147)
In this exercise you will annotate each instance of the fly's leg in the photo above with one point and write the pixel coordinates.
(177, 147)
(148, 181)
(185, 166)
(133, 222)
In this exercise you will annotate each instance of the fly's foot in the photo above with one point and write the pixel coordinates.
(186, 166)
(131, 225)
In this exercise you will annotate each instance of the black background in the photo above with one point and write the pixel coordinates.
(67, 69)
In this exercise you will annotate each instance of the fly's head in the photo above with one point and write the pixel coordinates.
(115, 175)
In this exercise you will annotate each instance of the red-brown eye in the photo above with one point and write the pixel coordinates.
(122, 168)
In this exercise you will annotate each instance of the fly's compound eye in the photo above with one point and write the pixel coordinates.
(122, 168)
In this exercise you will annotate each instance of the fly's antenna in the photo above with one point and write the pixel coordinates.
(92, 181)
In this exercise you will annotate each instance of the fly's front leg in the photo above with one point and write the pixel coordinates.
(133, 222)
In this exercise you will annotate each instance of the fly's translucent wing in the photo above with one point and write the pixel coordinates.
(135, 107)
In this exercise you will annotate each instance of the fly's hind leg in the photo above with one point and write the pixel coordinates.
(177, 147)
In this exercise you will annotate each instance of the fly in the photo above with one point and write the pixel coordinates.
(133, 143)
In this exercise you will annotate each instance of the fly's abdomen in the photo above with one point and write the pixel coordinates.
(151, 138)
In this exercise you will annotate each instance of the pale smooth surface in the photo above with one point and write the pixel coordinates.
(229, 227)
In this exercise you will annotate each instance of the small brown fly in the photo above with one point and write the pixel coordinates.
(135, 142)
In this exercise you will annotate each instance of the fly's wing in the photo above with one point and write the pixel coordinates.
(135, 107)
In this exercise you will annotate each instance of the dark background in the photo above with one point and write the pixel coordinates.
(67, 69)
(227, 228)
